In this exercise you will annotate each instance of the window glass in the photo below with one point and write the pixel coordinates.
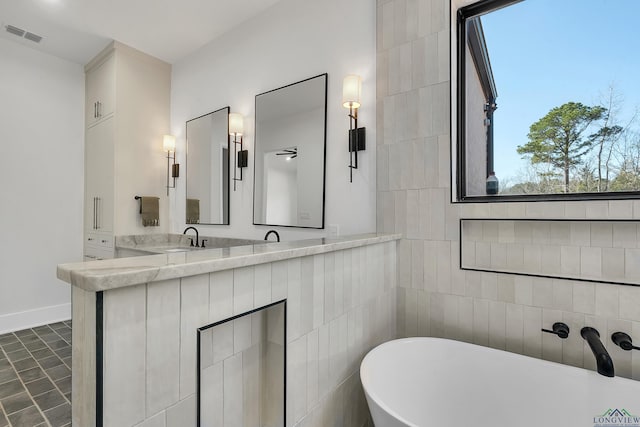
(548, 99)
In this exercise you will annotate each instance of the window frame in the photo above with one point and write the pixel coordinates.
(462, 15)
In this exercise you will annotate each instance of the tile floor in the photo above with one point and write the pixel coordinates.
(35, 377)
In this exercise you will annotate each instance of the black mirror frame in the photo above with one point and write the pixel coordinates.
(324, 166)
(186, 160)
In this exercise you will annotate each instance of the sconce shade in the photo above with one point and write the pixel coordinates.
(169, 143)
(236, 124)
(351, 88)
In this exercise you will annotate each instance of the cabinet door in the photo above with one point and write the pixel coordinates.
(92, 253)
(100, 91)
(99, 178)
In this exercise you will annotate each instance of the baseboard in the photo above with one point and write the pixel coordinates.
(32, 318)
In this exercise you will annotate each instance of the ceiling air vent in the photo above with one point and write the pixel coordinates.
(15, 30)
(33, 37)
(22, 33)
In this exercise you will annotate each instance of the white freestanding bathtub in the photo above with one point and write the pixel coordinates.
(425, 382)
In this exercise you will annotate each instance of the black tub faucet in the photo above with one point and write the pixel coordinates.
(197, 245)
(603, 360)
(266, 236)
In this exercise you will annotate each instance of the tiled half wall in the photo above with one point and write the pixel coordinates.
(339, 306)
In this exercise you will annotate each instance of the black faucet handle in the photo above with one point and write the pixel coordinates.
(190, 240)
(203, 240)
(624, 341)
(560, 329)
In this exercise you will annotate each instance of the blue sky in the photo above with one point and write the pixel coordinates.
(548, 52)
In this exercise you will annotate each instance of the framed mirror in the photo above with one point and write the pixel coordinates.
(546, 104)
(208, 168)
(290, 155)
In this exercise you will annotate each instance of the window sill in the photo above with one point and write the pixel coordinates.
(570, 197)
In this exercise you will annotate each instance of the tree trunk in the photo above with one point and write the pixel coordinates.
(600, 165)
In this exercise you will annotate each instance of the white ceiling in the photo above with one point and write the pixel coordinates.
(167, 29)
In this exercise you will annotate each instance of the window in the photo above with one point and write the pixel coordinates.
(548, 98)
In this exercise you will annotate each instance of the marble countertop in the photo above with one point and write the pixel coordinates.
(163, 243)
(122, 272)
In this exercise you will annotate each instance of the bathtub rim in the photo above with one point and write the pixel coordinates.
(376, 399)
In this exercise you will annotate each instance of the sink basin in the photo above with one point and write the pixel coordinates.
(188, 249)
(150, 244)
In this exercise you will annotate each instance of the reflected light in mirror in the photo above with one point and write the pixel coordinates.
(169, 143)
(351, 89)
(236, 124)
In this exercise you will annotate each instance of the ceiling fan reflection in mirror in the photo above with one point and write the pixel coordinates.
(291, 152)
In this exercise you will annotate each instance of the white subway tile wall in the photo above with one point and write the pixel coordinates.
(591, 250)
(481, 307)
(340, 305)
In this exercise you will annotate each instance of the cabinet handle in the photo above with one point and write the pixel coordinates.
(95, 110)
(97, 213)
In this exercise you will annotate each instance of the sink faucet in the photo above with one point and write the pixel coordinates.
(197, 235)
(266, 236)
(603, 360)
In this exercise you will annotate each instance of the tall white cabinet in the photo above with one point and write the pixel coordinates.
(126, 113)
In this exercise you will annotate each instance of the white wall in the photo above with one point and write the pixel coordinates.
(41, 130)
(292, 41)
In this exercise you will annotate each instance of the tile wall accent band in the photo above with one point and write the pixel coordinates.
(587, 250)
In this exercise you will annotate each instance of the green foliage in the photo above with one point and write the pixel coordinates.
(576, 148)
(557, 138)
(626, 180)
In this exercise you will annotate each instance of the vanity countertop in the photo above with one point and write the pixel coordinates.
(163, 243)
(121, 272)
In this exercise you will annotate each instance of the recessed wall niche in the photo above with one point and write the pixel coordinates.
(576, 249)
(241, 369)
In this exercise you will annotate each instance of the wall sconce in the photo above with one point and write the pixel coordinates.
(351, 89)
(169, 145)
(236, 128)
